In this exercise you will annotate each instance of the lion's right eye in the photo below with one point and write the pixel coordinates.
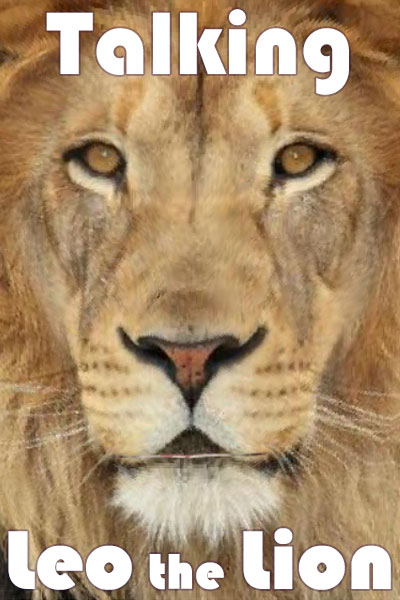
(99, 159)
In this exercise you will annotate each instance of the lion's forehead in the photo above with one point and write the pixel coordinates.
(239, 110)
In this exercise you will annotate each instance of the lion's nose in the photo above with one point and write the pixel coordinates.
(191, 366)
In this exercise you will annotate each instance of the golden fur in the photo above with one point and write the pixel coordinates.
(196, 244)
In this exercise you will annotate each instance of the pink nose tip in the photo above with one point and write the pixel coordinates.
(190, 362)
(191, 366)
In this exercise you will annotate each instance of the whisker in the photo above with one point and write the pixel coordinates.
(37, 442)
(358, 409)
(338, 422)
(324, 449)
(28, 388)
(39, 415)
(351, 419)
(101, 460)
(44, 375)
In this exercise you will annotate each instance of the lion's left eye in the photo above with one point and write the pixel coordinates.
(99, 159)
(298, 159)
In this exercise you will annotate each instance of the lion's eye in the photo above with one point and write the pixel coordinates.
(102, 159)
(99, 159)
(298, 159)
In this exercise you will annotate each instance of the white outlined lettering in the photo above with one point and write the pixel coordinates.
(336, 62)
(189, 46)
(287, 52)
(180, 574)
(237, 43)
(114, 579)
(18, 556)
(69, 25)
(110, 568)
(120, 37)
(253, 570)
(326, 50)
(332, 572)
(157, 572)
(161, 36)
(363, 559)
(206, 575)
(283, 559)
(52, 565)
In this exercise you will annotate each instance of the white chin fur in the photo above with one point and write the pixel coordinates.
(172, 503)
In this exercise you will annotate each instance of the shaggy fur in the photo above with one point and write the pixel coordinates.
(195, 244)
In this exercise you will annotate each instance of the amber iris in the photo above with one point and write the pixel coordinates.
(296, 159)
(102, 159)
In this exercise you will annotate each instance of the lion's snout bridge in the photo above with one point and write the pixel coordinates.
(191, 365)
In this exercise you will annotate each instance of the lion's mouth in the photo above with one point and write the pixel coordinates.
(194, 445)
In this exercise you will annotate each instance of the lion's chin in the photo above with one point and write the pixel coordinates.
(182, 499)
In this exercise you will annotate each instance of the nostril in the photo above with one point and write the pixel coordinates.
(146, 349)
(231, 350)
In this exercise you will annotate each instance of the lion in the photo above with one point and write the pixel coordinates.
(199, 283)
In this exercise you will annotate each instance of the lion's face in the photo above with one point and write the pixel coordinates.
(199, 236)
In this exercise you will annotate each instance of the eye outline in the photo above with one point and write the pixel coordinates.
(76, 155)
(324, 154)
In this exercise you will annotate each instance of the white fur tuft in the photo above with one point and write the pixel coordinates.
(174, 502)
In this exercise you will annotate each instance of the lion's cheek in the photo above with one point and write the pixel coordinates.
(258, 430)
(133, 426)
